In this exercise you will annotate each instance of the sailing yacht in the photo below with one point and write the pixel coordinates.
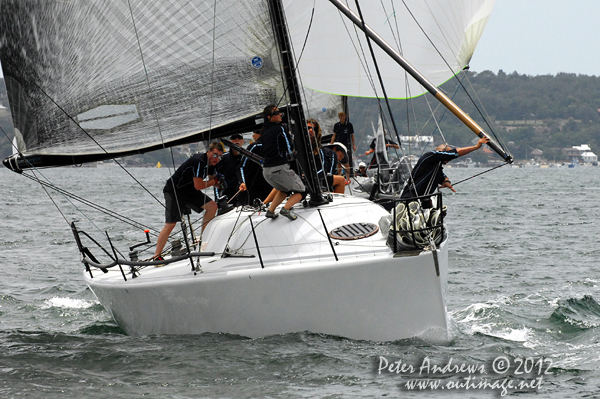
(100, 79)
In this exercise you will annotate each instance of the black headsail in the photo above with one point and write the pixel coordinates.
(98, 79)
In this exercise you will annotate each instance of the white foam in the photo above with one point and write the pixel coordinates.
(67, 303)
(509, 334)
(474, 312)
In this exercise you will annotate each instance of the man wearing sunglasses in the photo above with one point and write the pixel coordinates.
(182, 191)
(278, 153)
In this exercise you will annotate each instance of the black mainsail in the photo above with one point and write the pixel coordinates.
(97, 79)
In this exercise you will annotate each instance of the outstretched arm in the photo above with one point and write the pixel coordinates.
(465, 150)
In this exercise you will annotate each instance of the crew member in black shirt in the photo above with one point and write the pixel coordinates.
(251, 177)
(229, 167)
(428, 173)
(182, 191)
(343, 132)
(279, 152)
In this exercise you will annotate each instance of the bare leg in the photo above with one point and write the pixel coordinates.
(277, 199)
(339, 184)
(163, 237)
(270, 196)
(293, 200)
(211, 209)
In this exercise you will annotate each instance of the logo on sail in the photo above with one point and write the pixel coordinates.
(108, 116)
(257, 62)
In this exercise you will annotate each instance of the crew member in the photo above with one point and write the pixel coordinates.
(182, 191)
(428, 173)
(251, 176)
(279, 152)
(388, 143)
(326, 160)
(343, 132)
(229, 167)
(362, 169)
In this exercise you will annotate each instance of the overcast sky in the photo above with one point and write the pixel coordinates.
(540, 37)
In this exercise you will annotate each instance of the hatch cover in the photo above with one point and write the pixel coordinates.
(354, 231)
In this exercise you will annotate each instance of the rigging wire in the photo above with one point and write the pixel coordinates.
(479, 174)
(363, 57)
(66, 194)
(137, 37)
(486, 113)
(52, 199)
(450, 68)
(84, 131)
(297, 60)
(97, 207)
(154, 105)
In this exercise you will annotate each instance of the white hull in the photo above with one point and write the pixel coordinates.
(367, 294)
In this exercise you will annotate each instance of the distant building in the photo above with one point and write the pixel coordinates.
(581, 153)
(536, 153)
(416, 141)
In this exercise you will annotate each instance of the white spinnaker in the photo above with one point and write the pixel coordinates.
(336, 57)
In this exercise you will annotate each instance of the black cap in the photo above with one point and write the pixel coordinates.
(236, 136)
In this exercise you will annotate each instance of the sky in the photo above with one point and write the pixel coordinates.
(541, 37)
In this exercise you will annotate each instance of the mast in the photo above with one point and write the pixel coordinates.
(441, 97)
(296, 117)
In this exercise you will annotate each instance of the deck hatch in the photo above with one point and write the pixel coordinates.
(354, 231)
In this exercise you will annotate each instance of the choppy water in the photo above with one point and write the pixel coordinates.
(523, 283)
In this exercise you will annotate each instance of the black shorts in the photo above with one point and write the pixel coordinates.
(327, 182)
(175, 209)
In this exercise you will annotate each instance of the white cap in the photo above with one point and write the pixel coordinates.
(362, 165)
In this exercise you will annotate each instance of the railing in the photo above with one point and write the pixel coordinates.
(88, 259)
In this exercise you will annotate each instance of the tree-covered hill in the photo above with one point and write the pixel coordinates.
(543, 112)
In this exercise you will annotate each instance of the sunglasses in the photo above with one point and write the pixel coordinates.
(278, 113)
(310, 127)
(214, 155)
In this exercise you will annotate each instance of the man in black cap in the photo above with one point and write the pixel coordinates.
(279, 152)
(229, 167)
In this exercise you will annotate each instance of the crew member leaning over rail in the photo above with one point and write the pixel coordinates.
(428, 173)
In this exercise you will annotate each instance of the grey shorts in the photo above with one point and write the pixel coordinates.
(284, 179)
